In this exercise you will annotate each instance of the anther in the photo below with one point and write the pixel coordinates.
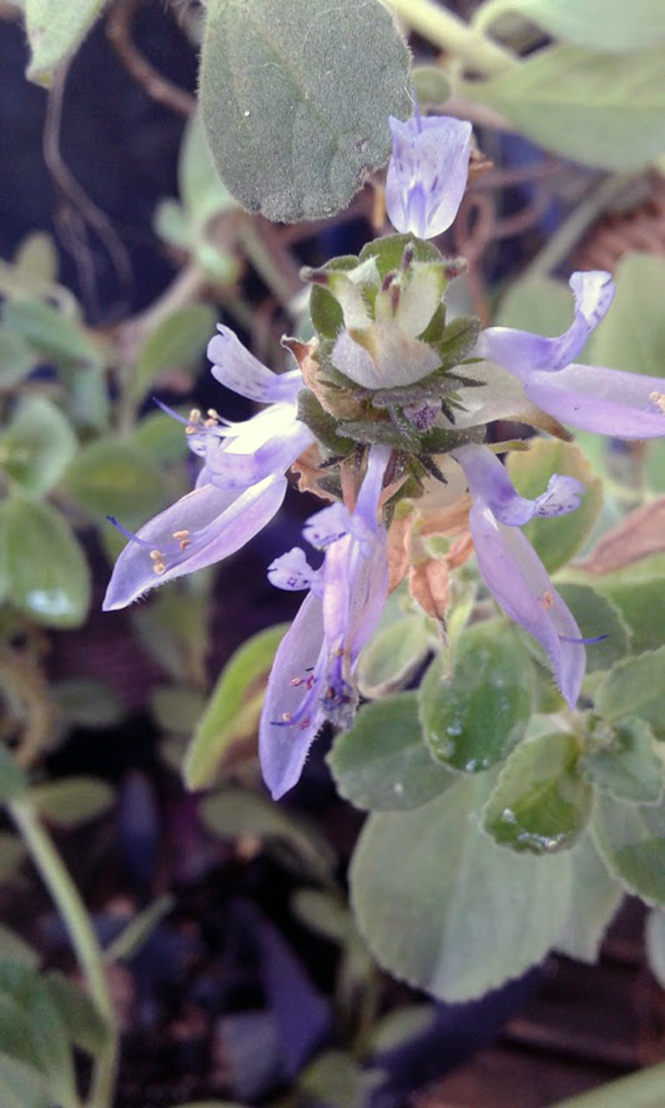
(546, 601)
(156, 556)
(159, 568)
(286, 717)
(296, 681)
(658, 398)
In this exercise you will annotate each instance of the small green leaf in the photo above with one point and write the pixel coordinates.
(475, 717)
(323, 913)
(16, 949)
(630, 839)
(178, 342)
(47, 572)
(597, 615)
(641, 604)
(595, 900)
(16, 360)
(51, 334)
(55, 32)
(12, 853)
(84, 1025)
(32, 1031)
(13, 782)
(556, 540)
(446, 909)
(73, 800)
(162, 437)
(38, 445)
(231, 813)
(87, 702)
(430, 84)
(599, 24)
(382, 762)
(234, 707)
(177, 707)
(599, 109)
(626, 765)
(138, 930)
(335, 1079)
(114, 477)
(540, 803)
(399, 1026)
(37, 257)
(173, 630)
(392, 657)
(296, 109)
(22, 1086)
(636, 686)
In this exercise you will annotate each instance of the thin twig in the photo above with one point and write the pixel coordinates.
(155, 85)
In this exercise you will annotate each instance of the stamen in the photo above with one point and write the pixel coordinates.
(658, 398)
(286, 717)
(295, 682)
(159, 568)
(128, 534)
(156, 556)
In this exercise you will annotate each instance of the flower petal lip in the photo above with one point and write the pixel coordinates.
(489, 482)
(236, 368)
(524, 353)
(427, 173)
(218, 522)
(605, 401)
(518, 580)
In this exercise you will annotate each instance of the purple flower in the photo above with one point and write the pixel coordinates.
(239, 489)
(312, 675)
(427, 173)
(510, 567)
(607, 401)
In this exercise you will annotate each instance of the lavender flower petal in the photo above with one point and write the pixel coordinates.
(200, 529)
(292, 571)
(524, 353)
(489, 482)
(235, 367)
(230, 469)
(427, 174)
(516, 577)
(606, 401)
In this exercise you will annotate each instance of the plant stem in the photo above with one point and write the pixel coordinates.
(88, 951)
(640, 1090)
(451, 34)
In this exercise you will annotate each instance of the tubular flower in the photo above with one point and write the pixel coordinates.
(312, 675)
(607, 401)
(510, 567)
(427, 173)
(239, 489)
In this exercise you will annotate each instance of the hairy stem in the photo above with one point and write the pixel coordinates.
(79, 928)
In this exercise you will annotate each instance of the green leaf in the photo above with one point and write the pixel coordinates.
(392, 656)
(641, 604)
(600, 109)
(430, 84)
(37, 257)
(55, 32)
(48, 575)
(162, 437)
(556, 540)
(13, 782)
(630, 839)
(599, 24)
(636, 686)
(32, 1031)
(16, 949)
(540, 803)
(400, 1025)
(51, 334)
(232, 713)
(231, 813)
(595, 900)
(296, 109)
(22, 1086)
(626, 765)
(173, 629)
(446, 909)
(114, 477)
(475, 717)
(632, 335)
(38, 445)
(178, 342)
(83, 1023)
(73, 800)
(382, 762)
(12, 853)
(16, 360)
(177, 707)
(138, 930)
(87, 702)
(335, 1079)
(597, 615)
(654, 934)
(323, 913)
(200, 189)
